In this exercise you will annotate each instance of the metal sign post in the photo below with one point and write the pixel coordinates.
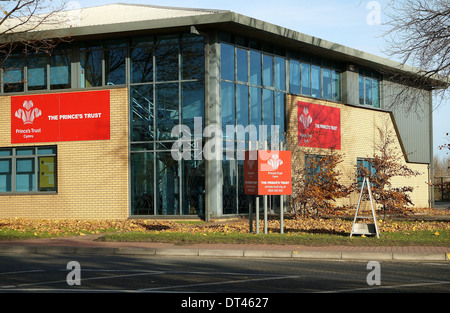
(267, 173)
(365, 228)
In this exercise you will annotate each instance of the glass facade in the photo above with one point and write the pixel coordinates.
(37, 71)
(166, 80)
(166, 90)
(255, 77)
(315, 77)
(253, 85)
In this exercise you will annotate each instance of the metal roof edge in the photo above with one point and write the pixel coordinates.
(348, 52)
(222, 17)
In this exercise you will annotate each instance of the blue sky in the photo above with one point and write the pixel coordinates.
(351, 23)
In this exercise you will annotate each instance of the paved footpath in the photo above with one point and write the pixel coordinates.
(88, 245)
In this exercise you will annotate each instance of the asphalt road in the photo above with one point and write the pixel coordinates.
(186, 275)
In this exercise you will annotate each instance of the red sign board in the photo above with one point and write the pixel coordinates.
(267, 173)
(69, 116)
(319, 126)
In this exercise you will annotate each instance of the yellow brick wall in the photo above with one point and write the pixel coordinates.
(358, 137)
(92, 175)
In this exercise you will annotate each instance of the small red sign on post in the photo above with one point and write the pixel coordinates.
(267, 173)
(56, 117)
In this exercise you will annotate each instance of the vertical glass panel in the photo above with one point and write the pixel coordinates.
(242, 197)
(228, 109)
(327, 83)
(242, 65)
(193, 178)
(376, 93)
(193, 103)
(167, 189)
(60, 71)
(143, 113)
(361, 90)
(368, 91)
(316, 81)
(268, 114)
(255, 68)
(306, 79)
(166, 58)
(364, 164)
(37, 72)
(229, 187)
(142, 184)
(167, 110)
(267, 70)
(25, 175)
(227, 62)
(47, 173)
(294, 76)
(242, 111)
(255, 110)
(5, 175)
(115, 73)
(359, 166)
(13, 76)
(312, 166)
(141, 59)
(91, 68)
(336, 77)
(280, 73)
(192, 57)
(241, 41)
(279, 113)
(226, 37)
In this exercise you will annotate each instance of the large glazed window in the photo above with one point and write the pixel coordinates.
(167, 93)
(13, 74)
(369, 89)
(253, 85)
(103, 63)
(28, 170)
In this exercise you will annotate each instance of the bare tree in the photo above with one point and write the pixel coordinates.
(446, 146)
(19, 24)
(419, 35)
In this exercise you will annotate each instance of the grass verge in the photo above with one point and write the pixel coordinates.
(417, 238)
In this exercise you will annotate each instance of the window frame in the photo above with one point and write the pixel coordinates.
(302, 68)
(374, 80)
(310, 170)
(35, 156)
(370, 168)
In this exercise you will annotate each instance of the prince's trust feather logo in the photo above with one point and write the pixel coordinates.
(28, 114)
(275, 161)
(305, 118)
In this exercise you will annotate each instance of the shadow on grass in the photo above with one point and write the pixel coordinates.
(155, 227)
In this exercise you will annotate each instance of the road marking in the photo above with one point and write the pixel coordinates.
(221, 283)
(388, 287)
(83, 279)
(21, 272)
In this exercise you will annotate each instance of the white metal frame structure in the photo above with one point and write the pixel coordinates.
(365, 228)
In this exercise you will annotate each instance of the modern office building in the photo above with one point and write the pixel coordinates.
(87, 131)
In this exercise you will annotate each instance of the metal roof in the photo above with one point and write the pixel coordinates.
(126, 18)
(111, 14)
